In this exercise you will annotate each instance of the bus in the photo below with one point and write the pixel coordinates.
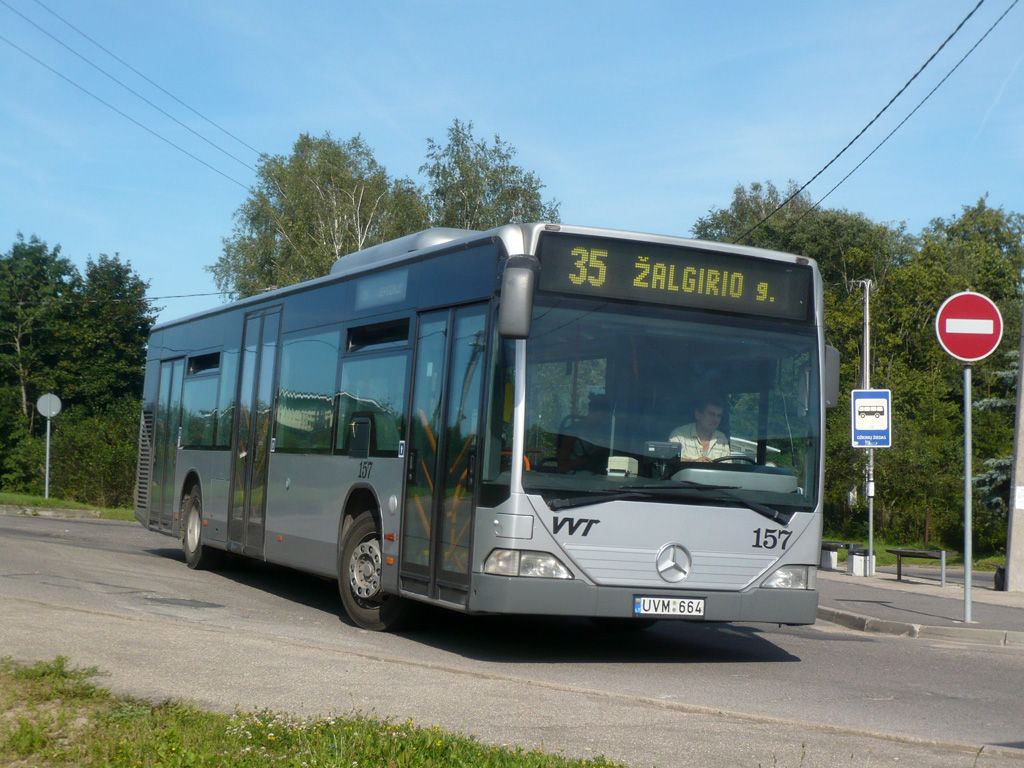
(484, 421)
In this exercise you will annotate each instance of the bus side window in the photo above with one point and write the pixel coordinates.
(199, 401)
(373, 389)
(305, 397)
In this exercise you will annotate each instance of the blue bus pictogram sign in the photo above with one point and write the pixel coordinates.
(871, 418)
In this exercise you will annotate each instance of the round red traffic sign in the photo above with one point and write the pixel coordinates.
(969, 326)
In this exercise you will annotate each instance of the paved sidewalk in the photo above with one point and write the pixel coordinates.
(918, 606)
(12, 509)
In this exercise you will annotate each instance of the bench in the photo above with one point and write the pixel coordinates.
(832, 546)
(828, 553)
(932, 554)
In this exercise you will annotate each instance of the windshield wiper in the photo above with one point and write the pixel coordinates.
(584, 501)
(772, 514)
(629, 492)
(681, 485)
(689, 488)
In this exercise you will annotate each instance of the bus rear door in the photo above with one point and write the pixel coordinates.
(167, 433)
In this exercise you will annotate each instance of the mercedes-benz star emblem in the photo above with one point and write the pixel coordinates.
(673, 563)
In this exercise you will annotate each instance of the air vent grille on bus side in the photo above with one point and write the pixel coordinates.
(144, 470)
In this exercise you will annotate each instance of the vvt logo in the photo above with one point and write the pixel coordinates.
(573, 524)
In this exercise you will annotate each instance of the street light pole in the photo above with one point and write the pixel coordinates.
(869, 569)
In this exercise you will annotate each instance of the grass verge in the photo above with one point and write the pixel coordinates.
(38, 502)
(52, 715)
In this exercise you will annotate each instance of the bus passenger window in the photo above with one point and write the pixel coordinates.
(305, 399)
(199, 411)
(226, 397)
(199, 401)
(373, 388)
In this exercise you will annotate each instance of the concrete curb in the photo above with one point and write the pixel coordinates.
(905, 629)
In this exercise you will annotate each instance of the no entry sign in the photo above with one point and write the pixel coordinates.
(969, 326)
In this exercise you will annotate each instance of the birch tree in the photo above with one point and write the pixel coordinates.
(306, 210)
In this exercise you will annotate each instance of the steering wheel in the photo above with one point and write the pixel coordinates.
(734, 457)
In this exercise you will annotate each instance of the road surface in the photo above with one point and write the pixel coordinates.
(119, 597)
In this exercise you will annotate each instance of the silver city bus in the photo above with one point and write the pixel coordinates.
(498, 422)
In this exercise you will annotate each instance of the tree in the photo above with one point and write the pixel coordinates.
(848, 247)
(327, 199)
(84, 339)
(920, 478)
(477, 186)
(34, 280)
(103, 349)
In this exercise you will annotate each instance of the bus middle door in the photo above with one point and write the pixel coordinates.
(252, 428)
(441, 470)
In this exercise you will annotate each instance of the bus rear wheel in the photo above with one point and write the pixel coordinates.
(198, 555)
(359, 579)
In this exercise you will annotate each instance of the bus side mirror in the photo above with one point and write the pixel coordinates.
(516, 307)
(831, 377)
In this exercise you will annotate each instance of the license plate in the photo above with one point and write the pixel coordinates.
(668, 606)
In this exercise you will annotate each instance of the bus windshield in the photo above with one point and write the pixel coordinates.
(671, 403)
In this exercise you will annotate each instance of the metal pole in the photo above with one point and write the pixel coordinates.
(869, 569)
(869, 566)
(47, 487)
(1014, 574)
(967, 494)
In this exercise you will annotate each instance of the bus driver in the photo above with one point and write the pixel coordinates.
(701, 440)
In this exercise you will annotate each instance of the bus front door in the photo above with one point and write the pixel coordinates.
(441, 469)
(250, 443)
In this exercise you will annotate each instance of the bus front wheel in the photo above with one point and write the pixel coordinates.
(198, 555)
(359, 579)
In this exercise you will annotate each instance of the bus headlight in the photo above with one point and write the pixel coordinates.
(791, 577)
(516, 562)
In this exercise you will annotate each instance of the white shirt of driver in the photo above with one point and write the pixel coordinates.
(691, 448)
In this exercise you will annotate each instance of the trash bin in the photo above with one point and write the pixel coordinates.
(858, 565)
(829, 560)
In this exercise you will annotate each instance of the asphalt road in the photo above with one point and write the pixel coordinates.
(119, 597)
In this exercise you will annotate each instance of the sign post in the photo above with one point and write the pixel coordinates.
(48, 406)
(871, 427)
(969, 327)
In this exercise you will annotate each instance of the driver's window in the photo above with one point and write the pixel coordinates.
(565, 400)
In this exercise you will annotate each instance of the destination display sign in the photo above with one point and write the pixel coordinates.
(664, 274)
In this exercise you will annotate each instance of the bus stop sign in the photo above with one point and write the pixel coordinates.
(969, 326)
(871, 418)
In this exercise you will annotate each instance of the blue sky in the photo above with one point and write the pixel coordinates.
(640, 115)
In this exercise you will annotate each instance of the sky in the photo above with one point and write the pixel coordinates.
(635, 115)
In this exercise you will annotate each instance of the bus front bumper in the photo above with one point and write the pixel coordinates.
(555, 597)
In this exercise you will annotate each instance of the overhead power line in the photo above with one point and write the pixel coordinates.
(126, 87)
(914, 110)
(122, 114)
(117, 58)
(828, 165)
(115, 300)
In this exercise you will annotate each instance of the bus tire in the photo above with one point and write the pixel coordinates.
(359, 579)
(198, 555)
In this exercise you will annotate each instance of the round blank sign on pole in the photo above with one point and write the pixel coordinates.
(969, 326)
(48, 405)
